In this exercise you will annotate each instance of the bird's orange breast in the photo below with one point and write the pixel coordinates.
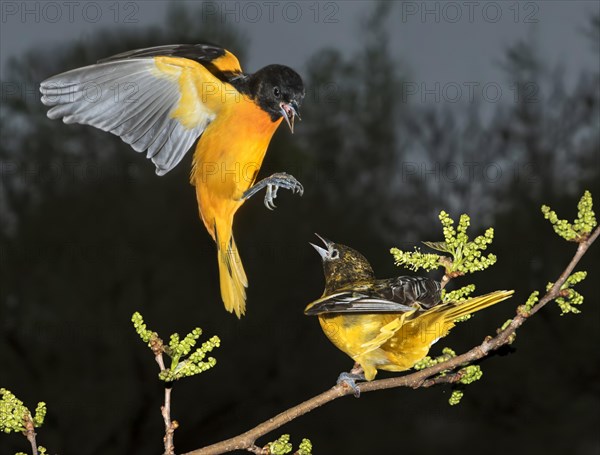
(228, 156)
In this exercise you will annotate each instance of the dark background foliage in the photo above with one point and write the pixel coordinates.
(89, 235)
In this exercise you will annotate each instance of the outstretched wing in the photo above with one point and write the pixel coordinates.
(396, 295)
(159, 100)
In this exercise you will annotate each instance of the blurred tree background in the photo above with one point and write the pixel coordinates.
(89, 235)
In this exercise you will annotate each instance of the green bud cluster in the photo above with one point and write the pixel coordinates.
(505, 325)
(583, 225)
(427, 361)
(463, 318)
(586, 218)
(513, 336)
(574, 279)
(532, 300)
(561, 227)
(195, 363)
(458, 295)
(141, 329)
(455, 397)
(447, 354)
(305, 447)
(281, 446)
(14, 414)
(470, 373)
(466, 255)
(177, 349)
(40, 414)
(416, 260)
(566, 303)
(448, 226)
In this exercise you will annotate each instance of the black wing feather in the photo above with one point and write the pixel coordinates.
(411, 289)
(351, 302)
(202, 53)
(395, 295)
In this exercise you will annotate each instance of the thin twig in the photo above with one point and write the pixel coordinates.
(170, 425)
(160, 361)
(445, 280)
(445, 379)
(30, 433)
(422, 378)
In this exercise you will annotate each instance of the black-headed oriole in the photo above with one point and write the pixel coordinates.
(160, 100)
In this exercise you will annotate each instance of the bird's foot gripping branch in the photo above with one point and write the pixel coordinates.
(390, 324)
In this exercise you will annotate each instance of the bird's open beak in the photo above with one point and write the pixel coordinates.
(324, 253)
(290, 112)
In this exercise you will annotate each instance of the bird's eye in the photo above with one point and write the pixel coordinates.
(335, 254)
(276, 92)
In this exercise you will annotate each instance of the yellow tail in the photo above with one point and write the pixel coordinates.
(473, 305)
(232, 275)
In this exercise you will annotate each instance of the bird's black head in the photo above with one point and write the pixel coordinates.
(279, 91)
(342, 265)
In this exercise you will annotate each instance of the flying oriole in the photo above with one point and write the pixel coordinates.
(385, 324)
(162, 99)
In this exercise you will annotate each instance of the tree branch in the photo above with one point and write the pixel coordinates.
(423, 378)
(158, 348)
(170, 426)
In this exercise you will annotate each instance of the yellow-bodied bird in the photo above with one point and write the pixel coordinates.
(385, 324)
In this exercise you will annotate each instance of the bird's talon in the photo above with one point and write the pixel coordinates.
(269, 197)
(348, 381)
(272, 185)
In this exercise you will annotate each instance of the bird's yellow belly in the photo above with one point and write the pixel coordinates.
(398, 351)
(349, 333)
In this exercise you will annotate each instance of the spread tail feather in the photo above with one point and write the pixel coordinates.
(473, 305)
(232, 276)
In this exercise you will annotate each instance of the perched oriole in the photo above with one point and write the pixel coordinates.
(385, 324)
(162, 99)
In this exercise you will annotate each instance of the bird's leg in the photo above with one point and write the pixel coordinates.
(273, 183)
(349, 379)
